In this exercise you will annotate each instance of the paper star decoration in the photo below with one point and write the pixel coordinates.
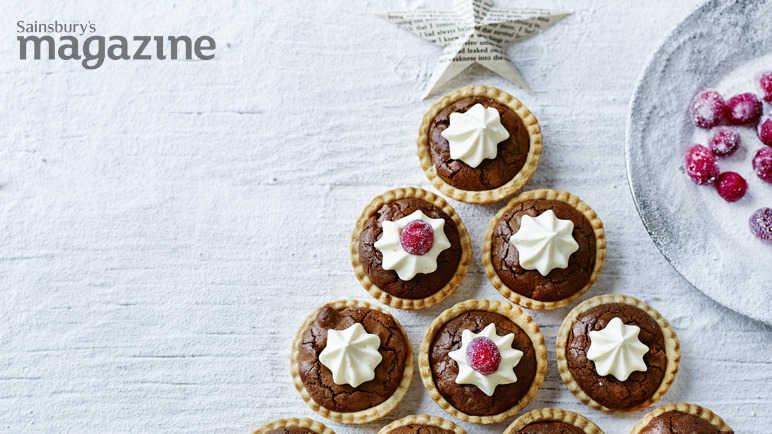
(474, 32)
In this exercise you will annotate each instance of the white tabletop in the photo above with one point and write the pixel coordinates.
(166, 225)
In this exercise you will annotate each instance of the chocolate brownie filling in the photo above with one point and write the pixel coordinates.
(290, 431)
(317, 379)
(550, 427)
(469, 398)
(559, 283)
(677, 422)
(419, 429)
(607, 390)
(491, 173)
(422, 285)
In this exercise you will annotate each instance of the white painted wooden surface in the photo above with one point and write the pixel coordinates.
(165, 226)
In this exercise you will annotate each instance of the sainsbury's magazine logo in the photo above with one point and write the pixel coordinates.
(79, 42)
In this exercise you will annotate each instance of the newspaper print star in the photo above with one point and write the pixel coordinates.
(474, 32)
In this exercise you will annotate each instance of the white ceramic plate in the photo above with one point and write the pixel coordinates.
(722, 45)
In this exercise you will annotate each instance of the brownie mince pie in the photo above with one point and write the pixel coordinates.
(544, 249)
(479, 144)
(410, 249)
(351, 362)
(552, 421)
(294, 426)
(482, 361)
(616, 353)
(422, 424)
(681, 418)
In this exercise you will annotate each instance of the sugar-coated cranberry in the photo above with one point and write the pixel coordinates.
(724, 141)
(731, 186)
(483, 355)
(761, 224)
(417, 237)
(700, 165)
(743, 109)
(762, 164)
(708, 109)
(764, 130)
(765, 81)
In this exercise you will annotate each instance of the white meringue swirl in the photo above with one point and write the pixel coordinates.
(545, 242)
(616, 350)
(505, 374)
(475, 134)
(396, 258)
(351, 355)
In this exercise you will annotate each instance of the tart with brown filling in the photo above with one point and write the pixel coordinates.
(351, 361)
(409, 248)
(294, 426)
(681, 418)
(482, 361)
(422, 424)
(544, 249)
(552, 421)
(616, 353)
(479, 144)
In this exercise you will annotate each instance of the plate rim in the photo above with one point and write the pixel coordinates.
(635, 100)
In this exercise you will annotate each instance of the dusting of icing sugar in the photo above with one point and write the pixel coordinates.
(705, 111)
(707, 240)
(734, 216)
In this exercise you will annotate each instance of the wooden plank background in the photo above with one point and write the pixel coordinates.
(166, 225)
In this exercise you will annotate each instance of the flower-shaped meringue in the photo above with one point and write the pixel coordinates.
(351, 355)
(486, 359)
(392, 245)
(474, 135)
(616, 350)
(545, 242)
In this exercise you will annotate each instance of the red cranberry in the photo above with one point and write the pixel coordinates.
(708, 109)
(743, 109)
(417, 237)
(724, 142)
(731, 186)
(700, 165)
(762, 164)
(766, 85)
(483, 355)
(761, 224)
(765, 130)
